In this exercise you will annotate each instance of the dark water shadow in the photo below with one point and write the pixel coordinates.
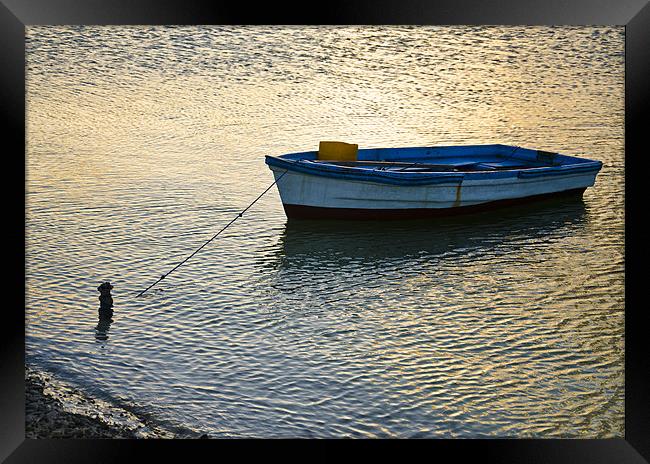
(309, 243)
(103, 326)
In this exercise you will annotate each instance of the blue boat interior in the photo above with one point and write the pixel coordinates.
(465, 158)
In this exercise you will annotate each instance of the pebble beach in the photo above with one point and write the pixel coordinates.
(54, 409)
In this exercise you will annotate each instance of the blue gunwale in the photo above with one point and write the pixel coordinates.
(539, 164)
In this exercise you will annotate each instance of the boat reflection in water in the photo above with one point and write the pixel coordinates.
(317, 244)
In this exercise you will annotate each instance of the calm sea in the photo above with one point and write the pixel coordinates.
(142, 142)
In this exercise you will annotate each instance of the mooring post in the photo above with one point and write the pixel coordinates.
(105, 300)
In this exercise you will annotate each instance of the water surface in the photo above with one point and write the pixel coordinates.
(142, 142)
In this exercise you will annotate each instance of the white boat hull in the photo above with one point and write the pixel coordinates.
(304, 193)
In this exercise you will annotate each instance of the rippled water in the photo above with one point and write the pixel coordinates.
(142, 142)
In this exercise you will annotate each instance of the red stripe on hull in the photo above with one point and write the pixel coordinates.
(315, 212)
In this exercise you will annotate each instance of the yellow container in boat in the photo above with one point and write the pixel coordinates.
(337, 151)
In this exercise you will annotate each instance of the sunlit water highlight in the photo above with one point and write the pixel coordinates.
(142, 142)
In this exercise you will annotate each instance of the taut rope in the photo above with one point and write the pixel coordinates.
(214, 236)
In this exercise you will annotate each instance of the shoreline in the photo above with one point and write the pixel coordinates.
(54, 409)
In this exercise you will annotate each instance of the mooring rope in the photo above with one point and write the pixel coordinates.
(214, 236)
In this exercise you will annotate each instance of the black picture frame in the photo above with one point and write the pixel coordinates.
(15, 15)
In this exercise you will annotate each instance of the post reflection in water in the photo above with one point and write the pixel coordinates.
(104, 324)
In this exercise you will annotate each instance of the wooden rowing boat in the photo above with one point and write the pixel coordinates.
(422, 181)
